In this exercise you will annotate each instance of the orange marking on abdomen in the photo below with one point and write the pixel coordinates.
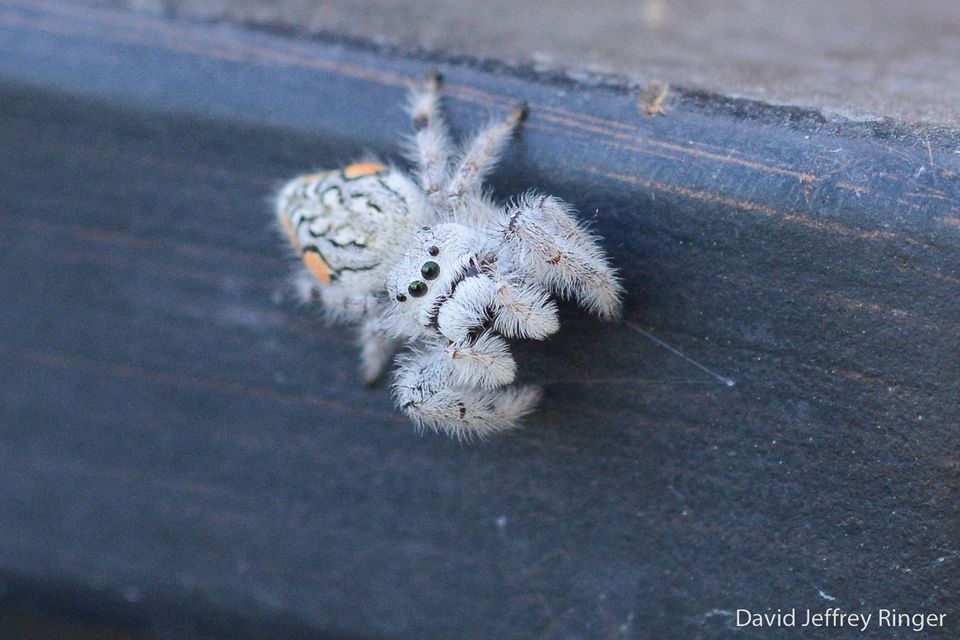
(362, 169)
(317, 266)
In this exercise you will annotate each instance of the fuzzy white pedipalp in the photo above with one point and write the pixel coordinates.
(466, 307)
(485, 362)
(423, 391)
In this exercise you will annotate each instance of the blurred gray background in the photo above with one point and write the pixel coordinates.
(852, 58)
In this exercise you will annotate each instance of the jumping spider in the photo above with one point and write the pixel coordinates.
(433, 262)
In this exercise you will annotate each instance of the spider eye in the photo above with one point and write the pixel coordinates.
(401, 297)
(434, 251)
(417, 288)
(430, 270)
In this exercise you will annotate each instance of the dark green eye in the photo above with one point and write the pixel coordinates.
(430, 270)
(434, 251)
(401, 297)
(417, 288)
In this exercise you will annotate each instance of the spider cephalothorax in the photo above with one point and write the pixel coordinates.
(439, 274)
(437, 265)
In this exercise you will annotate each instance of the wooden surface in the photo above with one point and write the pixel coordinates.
(20, 626)
(856, 58)
(183, 451)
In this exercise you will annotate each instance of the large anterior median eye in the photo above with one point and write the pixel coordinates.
(417, 288)
(430, 270)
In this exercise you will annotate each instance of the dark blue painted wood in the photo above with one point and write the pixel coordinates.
(183, 450)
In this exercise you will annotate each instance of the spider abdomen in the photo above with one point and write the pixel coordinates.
(343, 223)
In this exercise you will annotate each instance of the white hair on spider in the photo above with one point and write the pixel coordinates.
(434, 263)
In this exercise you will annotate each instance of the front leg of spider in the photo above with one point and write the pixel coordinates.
(541, 234)
(423, 391)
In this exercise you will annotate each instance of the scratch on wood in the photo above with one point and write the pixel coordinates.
(945, 278)
(873, 308)
(747, 205)
(803, 177)
(932, 194)
(617, 145)
(949, 221)
(857, 189)
(860, 378)
(912, 205)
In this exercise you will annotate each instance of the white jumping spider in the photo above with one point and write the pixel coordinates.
(433, 262)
